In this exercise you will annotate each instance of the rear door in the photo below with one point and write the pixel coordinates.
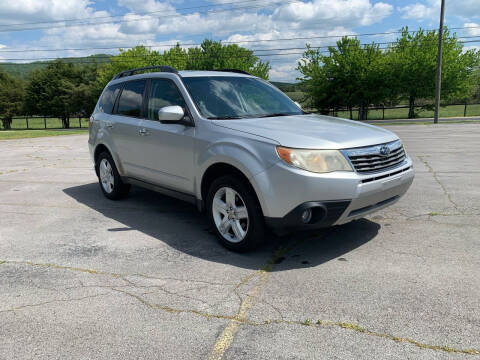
(166, 154)
(126, 118)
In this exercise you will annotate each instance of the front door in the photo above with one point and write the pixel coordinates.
(166, 148)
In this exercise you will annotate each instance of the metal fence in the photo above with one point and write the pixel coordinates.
(401, 112)
(46, 122)
(374, 113)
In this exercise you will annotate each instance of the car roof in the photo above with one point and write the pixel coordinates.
(199, 73)
(182, 74)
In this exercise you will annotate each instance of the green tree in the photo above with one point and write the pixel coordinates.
(83, 97)
(53, 90)
(12, 93)
(213, 55)
(476, 85)
(136, 57)
(414, 65)
(350, 75)
(210, 55)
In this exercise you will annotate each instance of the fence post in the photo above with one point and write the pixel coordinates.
(45, 121)
(465, 110)
(80, 121)
(383, 115)
(26, 120)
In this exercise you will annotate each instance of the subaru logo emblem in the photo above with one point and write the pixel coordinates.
(384, 150)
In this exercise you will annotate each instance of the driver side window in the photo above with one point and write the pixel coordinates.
(163, 92)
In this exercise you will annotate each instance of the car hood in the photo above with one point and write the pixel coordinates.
(312, 131)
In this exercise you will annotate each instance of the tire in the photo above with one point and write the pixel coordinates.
(109, 179)
(236, 229)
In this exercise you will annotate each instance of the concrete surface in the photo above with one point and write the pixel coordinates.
(82, 277)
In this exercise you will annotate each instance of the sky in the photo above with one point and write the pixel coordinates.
(30, 29)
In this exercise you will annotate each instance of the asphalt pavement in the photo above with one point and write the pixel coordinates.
(82, 277)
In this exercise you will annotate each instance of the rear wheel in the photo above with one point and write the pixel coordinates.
(110, 182)
(235, 214)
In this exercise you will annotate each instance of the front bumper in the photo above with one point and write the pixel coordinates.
(342, 196)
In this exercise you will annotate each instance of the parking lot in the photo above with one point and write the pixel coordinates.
(82, 277)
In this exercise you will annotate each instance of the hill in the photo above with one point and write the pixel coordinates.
(23, 69)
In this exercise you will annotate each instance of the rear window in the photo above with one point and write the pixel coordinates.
(107, 101)
(130, 102)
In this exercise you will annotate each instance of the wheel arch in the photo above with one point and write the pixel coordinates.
(101, 147)
(219, 169)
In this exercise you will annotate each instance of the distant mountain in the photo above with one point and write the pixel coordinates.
(287, 87)
(23, 69)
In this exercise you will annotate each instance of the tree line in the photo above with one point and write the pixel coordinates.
(347, 76)
(62, 89)
(354, 75)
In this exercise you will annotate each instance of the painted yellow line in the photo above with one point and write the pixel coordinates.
(227, 336)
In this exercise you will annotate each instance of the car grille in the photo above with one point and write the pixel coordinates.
(377, 158)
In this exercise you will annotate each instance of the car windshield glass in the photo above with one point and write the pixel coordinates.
(224, 97)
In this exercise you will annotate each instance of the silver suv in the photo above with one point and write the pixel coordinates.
(242, 151)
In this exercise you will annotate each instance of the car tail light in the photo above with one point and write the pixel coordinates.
(90, 122)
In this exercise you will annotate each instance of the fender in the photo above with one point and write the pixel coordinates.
(111, 149)
(248, 159)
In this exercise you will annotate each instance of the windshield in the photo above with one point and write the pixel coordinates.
(223, 97)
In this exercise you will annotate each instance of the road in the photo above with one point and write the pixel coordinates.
(82, 277)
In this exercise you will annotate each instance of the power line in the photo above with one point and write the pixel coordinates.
(153, 17)
(234, 42)
(134, 14)
(255, 52)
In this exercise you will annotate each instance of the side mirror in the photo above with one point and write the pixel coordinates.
(171, 113)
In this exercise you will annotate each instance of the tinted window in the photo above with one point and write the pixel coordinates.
(163, 92)
(223, 97)
(107, 100)
(130, 102)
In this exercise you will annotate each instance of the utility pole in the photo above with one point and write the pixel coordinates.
(438, 89)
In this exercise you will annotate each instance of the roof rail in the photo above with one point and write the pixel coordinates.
(161, 68)
(233, 71)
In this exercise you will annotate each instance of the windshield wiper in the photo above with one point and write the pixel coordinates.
(275, 114)
(224, 117)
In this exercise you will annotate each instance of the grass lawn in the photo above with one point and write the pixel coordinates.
(390, 114)
(423, 123)
(448, 111)
(21, 134)
(52, 123)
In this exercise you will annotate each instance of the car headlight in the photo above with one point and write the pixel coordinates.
(318, 161)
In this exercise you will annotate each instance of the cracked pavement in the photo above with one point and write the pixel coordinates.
(82, 277)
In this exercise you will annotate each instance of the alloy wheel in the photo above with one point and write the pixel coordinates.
(106, 176)
(230, 214)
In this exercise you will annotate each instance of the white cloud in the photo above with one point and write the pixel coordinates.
(418, 11)
(473, 29)
(286, 72)
(146, 6)
(310, 18)
(464, 8)
(430, 9)
(333, 13)
(22, 11)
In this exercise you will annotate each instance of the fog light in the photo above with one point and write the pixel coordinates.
(307, 216)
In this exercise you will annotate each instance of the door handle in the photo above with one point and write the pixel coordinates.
(143, 132)
(109, 124)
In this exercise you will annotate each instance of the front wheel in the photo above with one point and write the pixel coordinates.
(235, 214)
(110, 182)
